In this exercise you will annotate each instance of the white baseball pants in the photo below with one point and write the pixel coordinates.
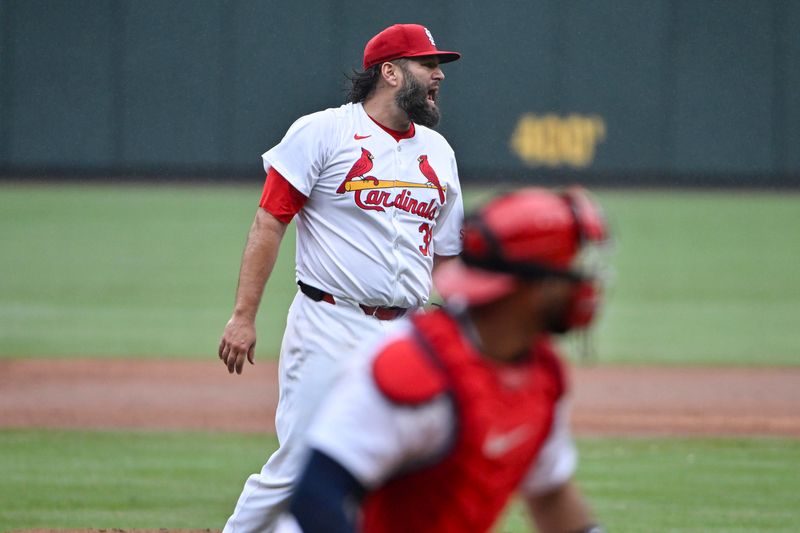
(319, 340)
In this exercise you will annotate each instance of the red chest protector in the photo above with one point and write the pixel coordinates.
(504, 413)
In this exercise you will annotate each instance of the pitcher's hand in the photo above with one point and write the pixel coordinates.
(238, 341)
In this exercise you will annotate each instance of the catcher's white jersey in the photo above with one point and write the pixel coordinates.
(374, 438)
(378, 209)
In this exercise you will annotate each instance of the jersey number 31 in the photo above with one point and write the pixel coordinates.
(427, 235)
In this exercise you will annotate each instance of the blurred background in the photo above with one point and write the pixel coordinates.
(683, 116)
(130, 141)
(630, 92)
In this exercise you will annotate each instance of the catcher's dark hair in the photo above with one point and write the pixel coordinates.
(362, 83)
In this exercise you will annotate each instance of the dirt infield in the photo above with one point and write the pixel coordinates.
(192, 395)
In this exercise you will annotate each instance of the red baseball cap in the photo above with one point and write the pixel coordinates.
(404, 40)
(527, 233)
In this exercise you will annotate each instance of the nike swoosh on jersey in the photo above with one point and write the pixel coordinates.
(359, 137)
(498, 444)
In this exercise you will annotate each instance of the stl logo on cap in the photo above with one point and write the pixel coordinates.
(430, 36)
(404, 40)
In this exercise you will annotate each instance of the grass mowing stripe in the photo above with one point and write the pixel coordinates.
(720, 484)
(136, 270)
(59, 479)
(688, 485)
(124, 271)
(703, 278)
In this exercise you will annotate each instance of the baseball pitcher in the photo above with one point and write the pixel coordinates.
(376, 197)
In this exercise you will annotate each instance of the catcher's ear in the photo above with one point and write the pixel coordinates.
(479, 242)
(474, 241)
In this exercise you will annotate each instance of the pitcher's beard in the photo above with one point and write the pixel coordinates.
(413, 99)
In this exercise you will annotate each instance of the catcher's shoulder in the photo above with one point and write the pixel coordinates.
(405, 374)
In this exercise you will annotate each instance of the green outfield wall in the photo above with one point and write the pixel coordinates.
(683, 92)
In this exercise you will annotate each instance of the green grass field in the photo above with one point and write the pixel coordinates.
(60, 479)
(150, 271)
(116, 271)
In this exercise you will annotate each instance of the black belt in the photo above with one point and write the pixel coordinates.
(381, 313)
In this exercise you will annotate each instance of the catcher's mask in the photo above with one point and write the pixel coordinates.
(530, 234)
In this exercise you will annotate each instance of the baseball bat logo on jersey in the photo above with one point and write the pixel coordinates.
(357, 181)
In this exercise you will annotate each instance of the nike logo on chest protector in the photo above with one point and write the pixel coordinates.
(498, 444)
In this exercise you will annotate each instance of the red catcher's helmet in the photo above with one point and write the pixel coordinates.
(528, 234)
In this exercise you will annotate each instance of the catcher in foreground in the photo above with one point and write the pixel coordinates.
(462, 406)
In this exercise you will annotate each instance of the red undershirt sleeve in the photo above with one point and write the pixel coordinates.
(280, 198)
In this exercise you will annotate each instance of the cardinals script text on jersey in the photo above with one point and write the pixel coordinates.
(371, 198)
(378, 200)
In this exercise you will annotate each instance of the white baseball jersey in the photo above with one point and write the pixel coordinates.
(378, 209)
(374, 438)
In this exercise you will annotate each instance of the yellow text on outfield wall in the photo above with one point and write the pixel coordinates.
(553, 141)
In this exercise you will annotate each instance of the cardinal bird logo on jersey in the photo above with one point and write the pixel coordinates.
(360, 168)
(428, 172)
(373, 194)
